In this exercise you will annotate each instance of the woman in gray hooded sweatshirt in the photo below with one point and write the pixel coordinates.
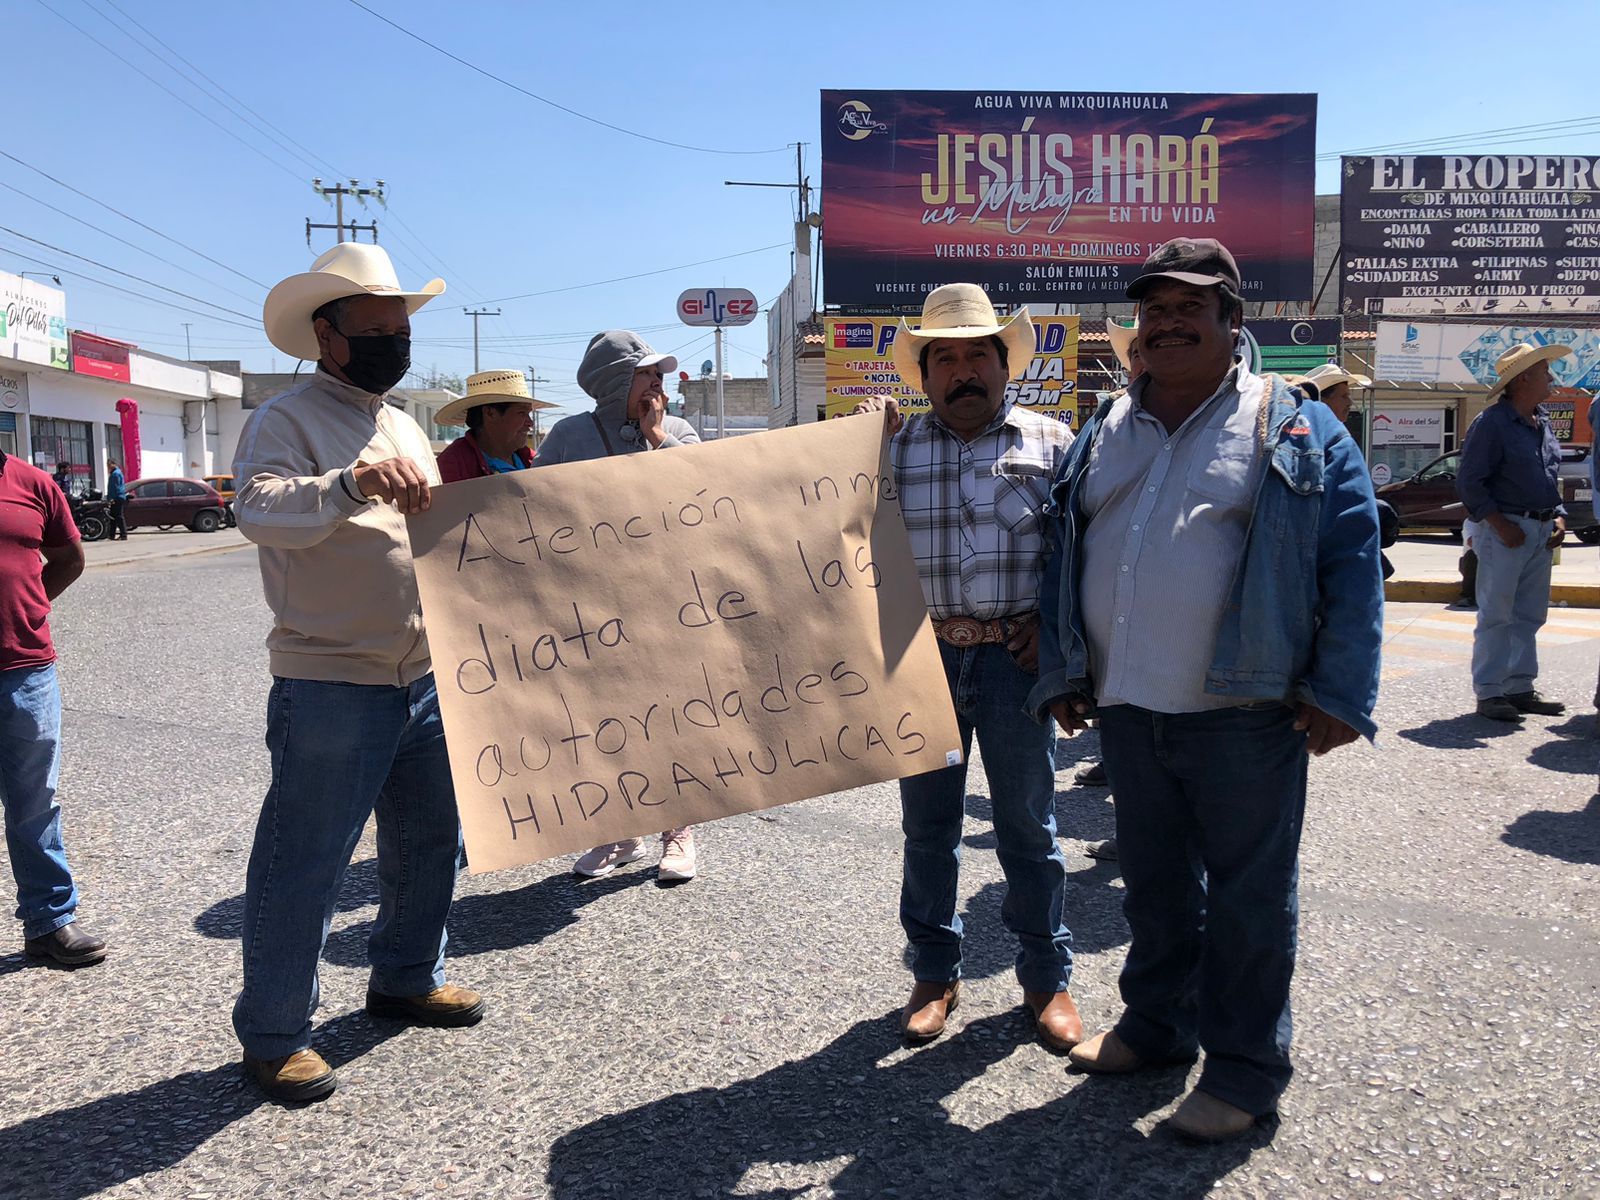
(624, 375)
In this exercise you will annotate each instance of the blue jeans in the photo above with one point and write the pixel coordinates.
(1513, 601)
(988, 689)
(30, 764)
(339, 751)
(1209, 809)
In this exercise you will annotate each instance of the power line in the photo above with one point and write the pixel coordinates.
(641, 275)
(125, 274)
(1548, 125)
(132, 245)
(133, 220)
(140, 70)
(126, 291)
(224, 91)
(472, 66)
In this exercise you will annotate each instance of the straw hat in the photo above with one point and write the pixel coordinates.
(1519, 358)
(489, 387)
(349, 269)
(1121, 337)
(1331, 375)
(962, 310)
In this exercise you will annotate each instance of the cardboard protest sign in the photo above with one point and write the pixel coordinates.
(631, 644)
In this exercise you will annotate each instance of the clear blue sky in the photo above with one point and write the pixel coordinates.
(503, 195)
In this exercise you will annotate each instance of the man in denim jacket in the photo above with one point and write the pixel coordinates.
(1215, 599)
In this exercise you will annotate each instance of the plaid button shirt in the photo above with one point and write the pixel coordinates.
(973, 509)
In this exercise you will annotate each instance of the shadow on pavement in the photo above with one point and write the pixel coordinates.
(225, 919)
(1466, 732)
(491, 921)
(1573, 837)
(80, 1151)
(892, 1124)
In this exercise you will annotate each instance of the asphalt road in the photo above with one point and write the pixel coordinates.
(736, 1036)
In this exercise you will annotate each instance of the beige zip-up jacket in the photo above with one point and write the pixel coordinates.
(336, 567)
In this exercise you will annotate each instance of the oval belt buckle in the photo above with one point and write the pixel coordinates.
(962, 631)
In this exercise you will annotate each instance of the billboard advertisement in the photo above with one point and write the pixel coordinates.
(33, 322)
(859, 363)
(1294, 345)
(1058, 197)
(1515, 235)
(104, 357)
(1415, 352)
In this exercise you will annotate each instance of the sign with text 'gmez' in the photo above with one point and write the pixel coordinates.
(717, 306)
(632, 644)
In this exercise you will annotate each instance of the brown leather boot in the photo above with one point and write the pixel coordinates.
(1056, 1017)
(446, 1007)
(69, 945)
(298, 1078)
(1203, 1117)
(924, 1015)
(1106, 1054)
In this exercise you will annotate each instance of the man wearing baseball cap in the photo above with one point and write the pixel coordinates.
(1214, 597)
(1509, 482)
(326, 472)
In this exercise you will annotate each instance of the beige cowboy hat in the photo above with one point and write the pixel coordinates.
(1519, 358)
(1121, 337)
(962, 310)
(489, 387)
(349, 269)
(1331, 375)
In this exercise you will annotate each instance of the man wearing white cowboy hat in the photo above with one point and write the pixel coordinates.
(1509, 481)
(973, 475)
(326, 472)
(625, 376)
(498, 413)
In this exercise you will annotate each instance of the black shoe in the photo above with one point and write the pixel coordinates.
(1093, 775)
(1532, 702)
(1499, 708)
(69, 946)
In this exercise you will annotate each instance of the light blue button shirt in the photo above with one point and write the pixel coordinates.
(1168, 514)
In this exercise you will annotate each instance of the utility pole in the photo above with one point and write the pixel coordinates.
(188, 347)
(339, 191)
(534, 380)
(475, 313)
(371, 227)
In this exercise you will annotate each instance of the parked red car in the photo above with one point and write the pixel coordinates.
(168, 502)
(1428, 499)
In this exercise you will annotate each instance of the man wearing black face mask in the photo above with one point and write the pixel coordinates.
(326, 473)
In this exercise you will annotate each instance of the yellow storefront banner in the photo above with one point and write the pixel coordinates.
(860, 364)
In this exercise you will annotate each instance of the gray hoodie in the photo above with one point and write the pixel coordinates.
(606, 373)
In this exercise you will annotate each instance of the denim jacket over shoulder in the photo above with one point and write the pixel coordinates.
(1304, 620)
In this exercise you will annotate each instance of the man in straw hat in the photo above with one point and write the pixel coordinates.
(1214, 597)
(1332, 384)
(498, 413)
(326, 472)
(626, 378)
(972, 476)
(1509, 482)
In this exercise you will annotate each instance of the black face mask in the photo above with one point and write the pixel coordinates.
(377, 362)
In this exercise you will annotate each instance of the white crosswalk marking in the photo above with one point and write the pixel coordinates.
(1424, 637)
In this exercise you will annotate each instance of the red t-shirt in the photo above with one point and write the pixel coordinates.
(33, 513)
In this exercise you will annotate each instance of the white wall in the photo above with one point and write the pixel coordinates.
(86, 398)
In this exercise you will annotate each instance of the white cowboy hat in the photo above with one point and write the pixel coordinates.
(1519, 358)
(1331, 375)
(349, 269)
(962, 310)
(1121, 337)
(489, 387)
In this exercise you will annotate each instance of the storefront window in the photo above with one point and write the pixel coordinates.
(56, 441)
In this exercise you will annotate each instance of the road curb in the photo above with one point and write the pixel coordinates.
(1444, 591)
(95, 564)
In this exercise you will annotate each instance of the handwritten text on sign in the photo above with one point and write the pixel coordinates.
(637, 643)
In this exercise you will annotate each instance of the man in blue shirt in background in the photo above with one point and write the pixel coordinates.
(1509, 482)
(117, 497)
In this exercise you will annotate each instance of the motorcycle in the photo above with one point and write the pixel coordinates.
(92, 513)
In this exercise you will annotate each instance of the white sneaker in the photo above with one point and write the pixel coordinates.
(677, 855)
(603, 860)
